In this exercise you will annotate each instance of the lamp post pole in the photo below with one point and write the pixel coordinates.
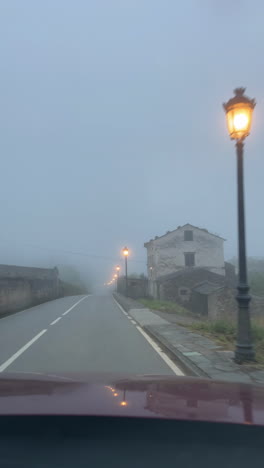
(125, 253)
(117, 279)
(239, 110)
(126, 276)
(244, 347)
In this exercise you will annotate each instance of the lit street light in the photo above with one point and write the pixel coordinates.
(239, 110)
(115, 279)
(125, 253)
(118, 270)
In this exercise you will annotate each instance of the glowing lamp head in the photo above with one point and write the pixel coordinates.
(118, 268)
(123, 403)
(125, 251)
(239, 110)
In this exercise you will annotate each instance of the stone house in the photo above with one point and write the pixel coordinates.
(187, 249)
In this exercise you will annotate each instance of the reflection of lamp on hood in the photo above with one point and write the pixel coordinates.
(246, 400)
(124, 402)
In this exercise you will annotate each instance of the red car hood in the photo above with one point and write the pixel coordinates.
(138, 396)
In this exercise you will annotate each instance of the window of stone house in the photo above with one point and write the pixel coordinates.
(183, 292)
(188, 235)
(189, 259)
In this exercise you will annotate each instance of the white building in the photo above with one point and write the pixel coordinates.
(186, 247)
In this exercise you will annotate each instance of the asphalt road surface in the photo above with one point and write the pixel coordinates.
(82, 334)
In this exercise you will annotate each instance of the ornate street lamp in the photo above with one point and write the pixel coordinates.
(239, 110)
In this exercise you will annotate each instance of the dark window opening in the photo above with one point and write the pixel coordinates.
(183, 292)
(188, 235)
(189, 259)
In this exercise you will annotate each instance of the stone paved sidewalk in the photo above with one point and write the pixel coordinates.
(195, 353)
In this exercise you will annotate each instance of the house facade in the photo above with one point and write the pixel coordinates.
(186, 248)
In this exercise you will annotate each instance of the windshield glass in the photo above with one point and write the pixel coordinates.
(131, 229)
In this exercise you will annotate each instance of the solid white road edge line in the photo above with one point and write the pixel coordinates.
(164, 356)
(74, 305)
(120, 307)
(152, 343)
(21, 351)
(55, 321)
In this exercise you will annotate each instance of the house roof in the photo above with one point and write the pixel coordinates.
(189, 272)
(181, 227)
(207, 288)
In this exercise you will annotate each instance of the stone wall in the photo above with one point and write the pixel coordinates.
(14, 294)
(223, 304)
(137, 287)
(171, 289)
(22, 287)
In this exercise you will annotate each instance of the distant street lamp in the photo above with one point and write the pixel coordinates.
(125, 253)
(115, 279)
(118, 270)
(239, 110)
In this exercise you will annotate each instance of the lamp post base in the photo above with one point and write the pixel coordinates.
(244, 353)
(244, 346)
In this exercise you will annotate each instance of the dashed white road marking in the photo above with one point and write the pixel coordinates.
(55, 321)
(21, 351)
(152, 343)
(133, 321)
(27, 345)
(74, 305)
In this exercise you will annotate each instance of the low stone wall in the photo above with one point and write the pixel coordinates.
(137, 287)
(15, 294)
(22, 287)
(223, 304)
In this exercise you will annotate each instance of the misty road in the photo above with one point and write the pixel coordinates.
(82, 334)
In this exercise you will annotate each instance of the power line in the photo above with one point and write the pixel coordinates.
(83, 254)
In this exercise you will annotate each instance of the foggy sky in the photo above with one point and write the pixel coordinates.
(112, 129)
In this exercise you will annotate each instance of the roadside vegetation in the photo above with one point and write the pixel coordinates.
(224, 332)
(165, 306)
(256, 282)
(255, 274)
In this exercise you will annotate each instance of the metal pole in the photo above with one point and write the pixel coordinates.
(126, 277)
(117, 280)
(244, 346)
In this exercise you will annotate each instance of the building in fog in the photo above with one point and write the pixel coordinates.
(188, 250)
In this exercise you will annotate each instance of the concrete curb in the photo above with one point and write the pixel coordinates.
(127, 303)
(184, 363)
(195, 354)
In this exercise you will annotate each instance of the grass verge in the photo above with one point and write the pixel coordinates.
(164, 306)
(224, 332)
